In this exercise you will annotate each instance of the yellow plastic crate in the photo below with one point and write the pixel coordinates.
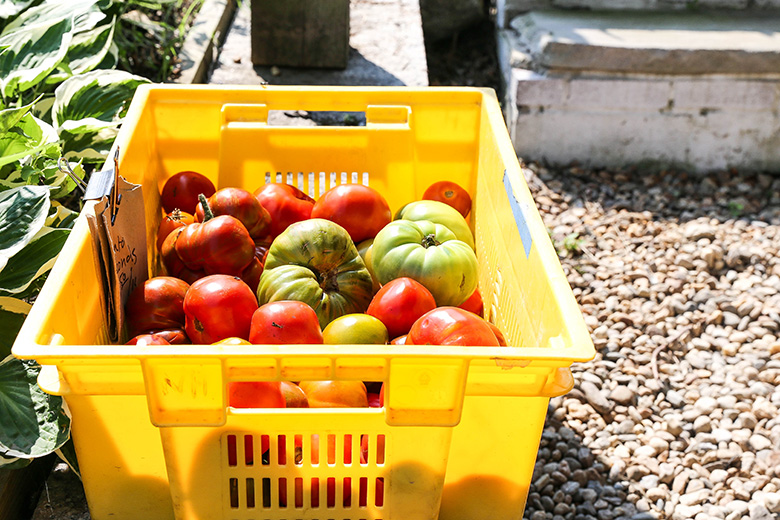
(461, 426)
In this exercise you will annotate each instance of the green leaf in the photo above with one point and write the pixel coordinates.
(90, 147)
(28, 56)
(29, 137)
(32, 262)
(61, 216)
(23, 211)
(10, 117)
(93, 101)
(87, 52)
(11, 8)
(86, 14)
(60, 182)
(32, 423)
(13, 312)
(13, 462)
(67, 453)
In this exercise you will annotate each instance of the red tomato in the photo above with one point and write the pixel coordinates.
(173, 264)
(335, 394)
(361, 210)
(451, 194)
(293, 395)
(474, 304)
(172, 336)
(148, 339)
(373, 400)
(451, 326)
(285, 203)
(400, 340)
(218, 307)
(285, 322)
(173, 220)
(255, 394)
(499, 335)
(156, 304)
(182, 189)
(399, 303)
(252, 273)
(261, 248)
(377, 451)
(220, 245)
(242, 205)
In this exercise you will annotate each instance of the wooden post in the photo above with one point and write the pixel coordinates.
(300, 33)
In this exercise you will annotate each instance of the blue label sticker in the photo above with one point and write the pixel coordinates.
(519, 211)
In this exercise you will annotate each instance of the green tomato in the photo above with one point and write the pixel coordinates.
(428, 253)
(440, 213)
(364, 248)
(355, 329)
(315, 261)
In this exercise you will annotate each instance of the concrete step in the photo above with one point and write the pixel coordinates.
(386, 48)
(699, 91)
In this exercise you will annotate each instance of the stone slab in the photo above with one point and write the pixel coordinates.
(699, 124)
(508, 9)
(649, 43)
(386, 49)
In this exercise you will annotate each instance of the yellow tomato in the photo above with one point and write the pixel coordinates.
(232, 341)
(353, 329)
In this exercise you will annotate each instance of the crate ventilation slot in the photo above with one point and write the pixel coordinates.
(266, 457)
(317, 183)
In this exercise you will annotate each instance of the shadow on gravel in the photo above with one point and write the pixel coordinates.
(571, 483)
(669, 194)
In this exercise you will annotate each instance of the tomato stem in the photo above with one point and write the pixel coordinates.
(175, 215)
(430, 241)
(207, 213)
(329, 281)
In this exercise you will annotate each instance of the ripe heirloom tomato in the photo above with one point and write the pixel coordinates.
(172, 336)
(355, 329)
(220, 245)
(182, 189)
(316, 262)
(474, 304)
(399, 303)
(285, 203)
(242, 205)
(156, 304)
(147, 339)
(175, 219)
(218, 307)
(232, 341)
(252, 273)
(361, 210)
(451, 194)
(283, 323)
(335, 394)
(451, 326)
(293, 395)
(400, 340)
(499, 335)
(255, 394)
(173, 264)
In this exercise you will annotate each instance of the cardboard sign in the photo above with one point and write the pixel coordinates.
(118, 229)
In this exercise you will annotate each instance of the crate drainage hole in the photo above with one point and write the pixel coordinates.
(259, 492)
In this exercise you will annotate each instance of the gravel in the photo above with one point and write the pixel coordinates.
(678, 278)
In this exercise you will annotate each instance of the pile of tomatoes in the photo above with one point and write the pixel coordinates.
(277, 267)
